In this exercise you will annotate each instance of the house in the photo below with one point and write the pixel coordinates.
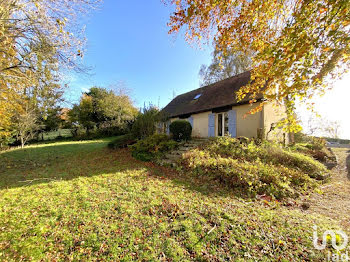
(213, 110)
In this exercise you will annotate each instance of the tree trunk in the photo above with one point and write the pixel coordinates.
(22, 142)
(291, 138)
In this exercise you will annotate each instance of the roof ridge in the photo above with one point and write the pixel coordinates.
(215, 83)
(212, 96)
(227, 78)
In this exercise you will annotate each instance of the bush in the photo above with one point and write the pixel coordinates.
(255, 169)
(323, 155)
(181, 130)
(317, 143)
(109, 131)
(251, 178)
(267, 153)
(152, 147)
(122, 141)
(145, 123)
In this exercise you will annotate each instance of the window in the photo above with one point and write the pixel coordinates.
(197, 96)
(226, 124)
(220, 133)
(223, 124)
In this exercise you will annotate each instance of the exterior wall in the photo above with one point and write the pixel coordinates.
(272, 115)
(248, 125)
(200, 124)
(173, 119)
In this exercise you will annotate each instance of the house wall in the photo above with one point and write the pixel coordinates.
(174, 119)
(273, 113)
(200, 124)
(248, 125)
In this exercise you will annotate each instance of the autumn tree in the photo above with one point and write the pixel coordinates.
(224, 65)
(298, 46)
(25, 123)
(38, 39)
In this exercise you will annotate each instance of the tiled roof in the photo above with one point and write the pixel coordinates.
(206, 98)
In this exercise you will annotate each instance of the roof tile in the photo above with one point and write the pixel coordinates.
(220, 94)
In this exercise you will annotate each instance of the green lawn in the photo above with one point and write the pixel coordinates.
(66, 133)
(81, 201)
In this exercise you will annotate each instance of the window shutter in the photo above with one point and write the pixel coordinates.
(167, 127)
(232, 123)
(211, 125)
(190, 119)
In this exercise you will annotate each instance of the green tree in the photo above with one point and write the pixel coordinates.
(145, 123)
(103, 109)
(83, 113)
(50, 120)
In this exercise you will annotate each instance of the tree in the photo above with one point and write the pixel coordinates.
(43, 30)
(145, 123)
(8, 107)
(331, 129)
(38, 39)
(320, 126)
(26, 124)
(50, 120)
(223, 66)
(103, 109)
(298, 46)
(111, 108)
(82, 114)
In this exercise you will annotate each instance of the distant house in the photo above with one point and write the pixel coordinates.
(63, 114)
(213, 110)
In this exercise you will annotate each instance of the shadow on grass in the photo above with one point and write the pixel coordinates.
(69, 160)
(47, 162)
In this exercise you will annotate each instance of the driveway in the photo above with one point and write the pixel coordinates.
(334, 201)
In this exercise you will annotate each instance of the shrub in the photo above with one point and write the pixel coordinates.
(145, 123)
(252, 178)
(122, 141)
(181, 130)
(267, 153)
(317, 143)
(298, 161)
(323, 155)
(152, 147)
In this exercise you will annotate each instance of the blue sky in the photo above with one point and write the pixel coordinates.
(128, 42)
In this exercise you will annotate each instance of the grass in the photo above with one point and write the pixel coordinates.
(66, 133)
(73, 201)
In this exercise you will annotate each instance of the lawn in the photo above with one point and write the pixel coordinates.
(66, 133)
(81, 201)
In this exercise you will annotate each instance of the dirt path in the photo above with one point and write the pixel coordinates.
(334, 202)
